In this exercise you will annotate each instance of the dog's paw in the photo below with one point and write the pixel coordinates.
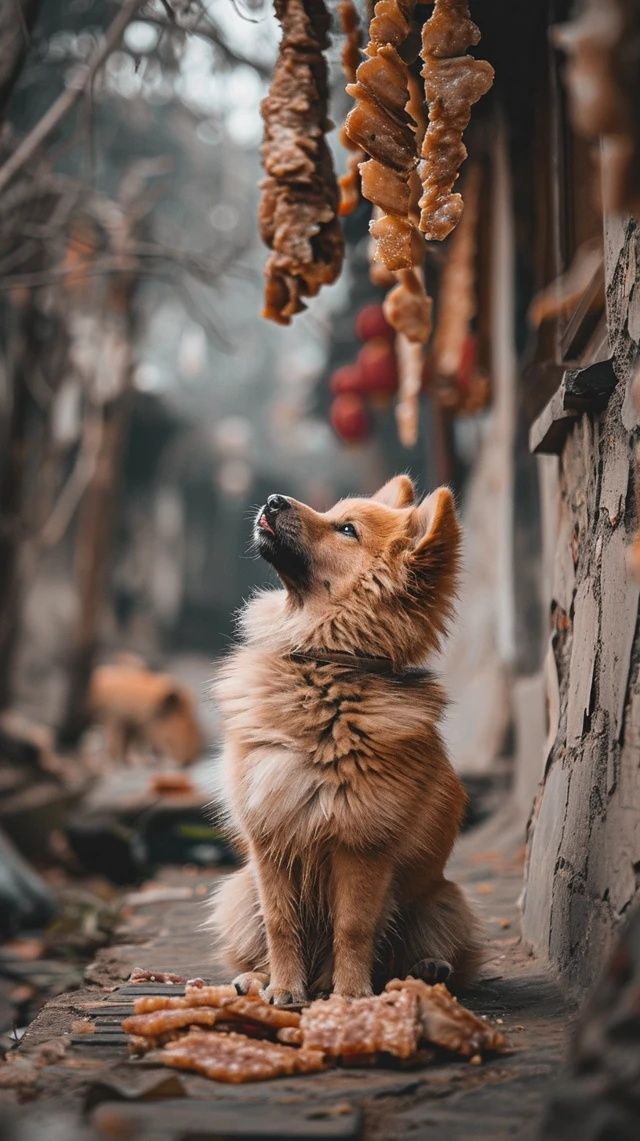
(432, 970)
(279, 996)
(251, 982)
(363, 991)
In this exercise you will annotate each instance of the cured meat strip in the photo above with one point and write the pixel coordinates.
(299, 200)
(210, 995)
(407, 307)
(391, 23)
(380, 124)
(153, 1011)
(349, 183)
(459, 383)
(290, 1035)
(445, 1023)
(160, 1022)
(197, 996)
(142, 975)
(255, 1009)
(458, 303)
(410, 368)
(234, 1058)
(454, 81)
(387, 1023)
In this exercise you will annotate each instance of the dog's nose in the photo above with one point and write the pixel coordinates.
(277, 503)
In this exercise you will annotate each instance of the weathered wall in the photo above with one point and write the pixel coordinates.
(584, 841)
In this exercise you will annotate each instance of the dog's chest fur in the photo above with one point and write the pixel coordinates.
(317, 754)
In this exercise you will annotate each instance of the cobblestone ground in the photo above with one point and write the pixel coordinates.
(94, 1087)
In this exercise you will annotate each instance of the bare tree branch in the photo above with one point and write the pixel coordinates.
(71, 495)
(209, 32)
(69, 97)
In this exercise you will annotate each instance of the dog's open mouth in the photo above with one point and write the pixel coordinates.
(264, 524)
(280, 545)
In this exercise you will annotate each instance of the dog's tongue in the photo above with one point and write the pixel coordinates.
(265, 525)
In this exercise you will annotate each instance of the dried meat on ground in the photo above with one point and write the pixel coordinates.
(342, 1028)
(235, 1058)
(444, 1022)
(235, 1038)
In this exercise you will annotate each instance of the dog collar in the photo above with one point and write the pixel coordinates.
(360, 664)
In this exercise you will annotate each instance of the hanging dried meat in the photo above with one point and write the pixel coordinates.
(410, 371)
(299, 202)
(454, 81)
(407, 307)
(459, 384)
(603, 80)
(380, 125)
(350, 181)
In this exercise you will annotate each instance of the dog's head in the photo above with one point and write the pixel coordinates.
(371, 575)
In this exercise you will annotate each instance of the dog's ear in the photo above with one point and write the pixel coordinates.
(437, 535)
(397, 492)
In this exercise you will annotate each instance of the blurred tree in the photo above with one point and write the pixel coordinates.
(81, 184)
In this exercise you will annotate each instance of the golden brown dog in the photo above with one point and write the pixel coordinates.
(144, 711)
(335, 775)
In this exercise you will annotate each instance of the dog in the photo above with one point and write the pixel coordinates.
(144, 712)
(334, 772)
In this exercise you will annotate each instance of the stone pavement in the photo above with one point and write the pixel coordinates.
(60, 1070)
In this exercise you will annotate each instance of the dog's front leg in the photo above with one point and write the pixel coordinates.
(281, 911)
(360, 888)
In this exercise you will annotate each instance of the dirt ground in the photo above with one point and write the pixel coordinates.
(86, 1080)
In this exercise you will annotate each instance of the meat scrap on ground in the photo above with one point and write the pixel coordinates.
(454, 81)
(299, 201)
(243, 1038)
(160, 1022)
(445, 1023)
(142, 975)
(234, 1058)
(159, 1014)
(384, 1024)
(200, 996)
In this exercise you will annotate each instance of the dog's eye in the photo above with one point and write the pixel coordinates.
(347, 529)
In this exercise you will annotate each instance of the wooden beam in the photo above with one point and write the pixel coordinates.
(581, 390)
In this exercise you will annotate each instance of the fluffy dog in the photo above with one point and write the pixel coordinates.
(334, 772)
(144, 712)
